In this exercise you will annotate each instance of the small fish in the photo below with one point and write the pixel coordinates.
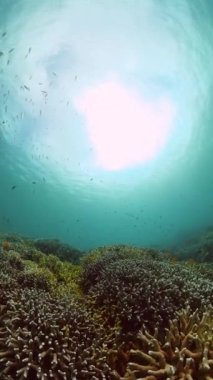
(8, 62)
(13, 187)
(40, 113)
(11, 50)
(29, 50)
(54, 73)
(1, 53)
(26, 87)
(33, 183)
(4, 34)
(76, 77)
(91, 179)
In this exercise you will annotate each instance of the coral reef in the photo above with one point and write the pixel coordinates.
(98, 259)
(144, 290)
(185, 354)
(59, 320)
(29, 247)
(42, 338)
(62, 251)
(199, 247)
(32, 268)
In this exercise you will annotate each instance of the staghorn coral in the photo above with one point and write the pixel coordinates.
(100, 258)
(38, 270)
(50, 330)
(42, 337)
(144, 290)
(21, 273)
(29, 248)
(186, 354)
(62, 251)
(11, 262)
(34, 279)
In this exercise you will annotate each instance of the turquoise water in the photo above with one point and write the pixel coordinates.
(54, 180)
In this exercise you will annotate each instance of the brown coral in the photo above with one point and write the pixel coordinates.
(6, 245)
(43, 338)
(186, 354)
(143, 290)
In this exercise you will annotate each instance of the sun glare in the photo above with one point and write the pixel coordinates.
(124, 128)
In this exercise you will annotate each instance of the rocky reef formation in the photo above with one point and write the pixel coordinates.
(199, 247)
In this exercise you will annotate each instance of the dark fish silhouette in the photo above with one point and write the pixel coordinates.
(13, 187)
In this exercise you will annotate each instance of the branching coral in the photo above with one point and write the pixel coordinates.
(144, 290)
(37, 270)
(100, 258)
(51, 329)
(43, 338)
(29, 248)
(186, 354)
(63, 251)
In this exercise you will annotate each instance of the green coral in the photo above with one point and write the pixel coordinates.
(63, 251)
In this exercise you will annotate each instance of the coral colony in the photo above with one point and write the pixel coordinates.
(116, 313)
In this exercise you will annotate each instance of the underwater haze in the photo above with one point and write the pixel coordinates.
(106, 120)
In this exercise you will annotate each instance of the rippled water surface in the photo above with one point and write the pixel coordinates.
(106, 120)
